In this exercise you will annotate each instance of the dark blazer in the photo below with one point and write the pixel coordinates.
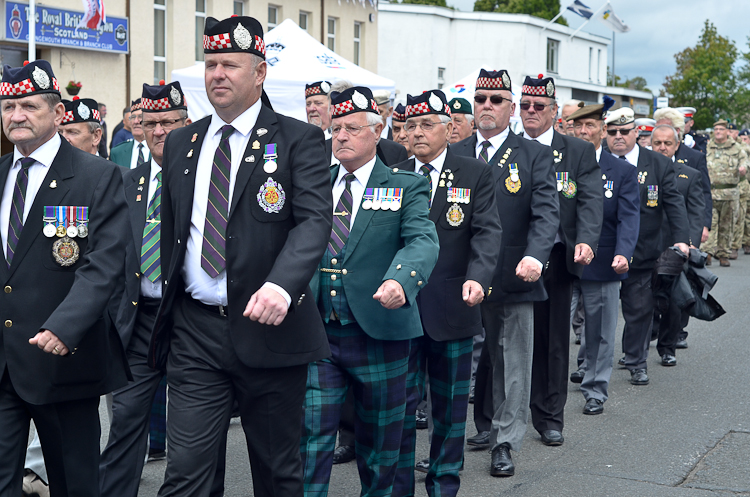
(580, 216)
(690, 186)
(697, 160)
(389, 152)
(388, 245)
(71, 301)
(283, 248)
(621, 219)
(467, 251)
(530, 218)
(658, 172)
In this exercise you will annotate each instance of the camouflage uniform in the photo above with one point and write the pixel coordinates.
(723, 160)
(742, 228)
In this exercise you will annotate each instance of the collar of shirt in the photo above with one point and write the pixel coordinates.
(361, 177)
(599, 153)
(44, 155)
(673, 159)
(437, 163)
(631, 156)
(134, 153)
(384, 133)
(495, 142)
(545, 138)
(243, 124)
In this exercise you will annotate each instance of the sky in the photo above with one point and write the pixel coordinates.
(658, 30)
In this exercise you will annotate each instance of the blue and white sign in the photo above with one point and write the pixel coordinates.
(60, 28)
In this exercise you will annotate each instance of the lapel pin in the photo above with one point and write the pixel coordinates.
(140, 188)
(262, 131)
(142, 180)
(138, 198)
(53, 184)
(195, 137)
(250, 158)
(187, 171)
(256, 145)
(190, 154)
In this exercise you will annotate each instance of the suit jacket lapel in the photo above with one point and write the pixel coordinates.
(377, 178)
(558, 145)
(498, 163)
(184, 211)
(441, 199)
(138, 208)
(266, 119)
(4, 169)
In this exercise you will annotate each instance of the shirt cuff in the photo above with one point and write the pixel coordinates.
(535, 260)
(279, 290)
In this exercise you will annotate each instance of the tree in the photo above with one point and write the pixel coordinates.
(705, 78)
(546, 9)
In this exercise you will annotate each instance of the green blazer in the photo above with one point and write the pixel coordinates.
(122, 153)
(387, 245)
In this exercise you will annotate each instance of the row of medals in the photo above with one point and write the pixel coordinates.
(382, 205)
(72, 231)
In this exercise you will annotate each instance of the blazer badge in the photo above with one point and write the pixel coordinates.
(271, 197)
(455, 215)
(653, 196)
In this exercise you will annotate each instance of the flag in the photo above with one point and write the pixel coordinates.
(93, 14)
(609, 18)
(582, 10)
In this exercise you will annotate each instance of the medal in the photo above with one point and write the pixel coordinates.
(60, 230)
(49, 221)
(271, 197)
(71, 229)
(376, 202)
(608, 194)
(395, 203)
(270, 165)
(367, 199)
(65, 251)
(83, 221)
(514, 172)
(455, 215)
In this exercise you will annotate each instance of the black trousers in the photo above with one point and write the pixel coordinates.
(549, 372)
(205, 376)
(671, 326)
(638, 314)
(69, 433)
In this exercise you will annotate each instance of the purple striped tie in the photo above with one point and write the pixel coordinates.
(16, 210)
(213, 255)
(342, 218)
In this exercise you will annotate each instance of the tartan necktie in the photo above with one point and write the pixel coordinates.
(342, 218)
(426, 169)
(483, 153)
(141, 158)
(213, 254)
(16, 209)
(150, 251)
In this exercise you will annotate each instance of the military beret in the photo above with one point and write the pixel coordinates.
(429, 102)
(460, 106)
(30, 79)
(136, 105)
(745, 132)
(732, 126)
(493, 80)
(721, 122)
(317, 88)
(538, 87)
(399, 114)
(381, 96)
(163, 97)
(621, 116)
(597, 111)
(235, 34)
(352, 100)
(81, 110)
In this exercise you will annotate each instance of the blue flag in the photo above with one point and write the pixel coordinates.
(582, 10)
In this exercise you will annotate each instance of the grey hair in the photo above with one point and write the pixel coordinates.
(184, 113)
(667, 126)
(93, 126)
(372, 120)
(340, 85)
(470, 117)
(444, 119)
(52, 99)
(571, 103)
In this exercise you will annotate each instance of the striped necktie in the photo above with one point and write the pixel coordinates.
(483, 153)
(213, 255)
(426, 169)
(16, 209)
(150, 252)
(342, 218)
(141, 158)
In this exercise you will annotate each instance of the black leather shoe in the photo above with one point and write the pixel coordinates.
(480, 439)
(577, 376)
(421, 419)
(578, 339)
(423, 466)
(343, 454)
(593, 406)
(668, 360)
(621, 363)
(552, 438)
(639, 377)
(502, 464)
(681, 344)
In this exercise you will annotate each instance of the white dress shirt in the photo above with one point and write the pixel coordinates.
(545, 138)
(495, 143)
(198, 284)
(437, 164)
(134, 153)
(631, 156)
(361, 177)
(44, 156)
(598, 153)
(151, 289)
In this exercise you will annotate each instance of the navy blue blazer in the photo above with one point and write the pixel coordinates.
(697, 160)
(621, 222)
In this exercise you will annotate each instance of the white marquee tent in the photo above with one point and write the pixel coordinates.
(294, 59)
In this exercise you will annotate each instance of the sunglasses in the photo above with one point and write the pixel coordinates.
(537, 107)
(494, 99)
(623, 132)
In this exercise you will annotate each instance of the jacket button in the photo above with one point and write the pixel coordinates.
(8, 289)
(333, 277)
(343, 271)
(398, 267)
(333, 294)
(419, 283)
(413, 274)
(334, 261)
(8, 323)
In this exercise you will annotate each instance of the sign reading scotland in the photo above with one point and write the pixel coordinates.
(64, 28)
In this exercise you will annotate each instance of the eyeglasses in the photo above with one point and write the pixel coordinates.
(494, 99)
(426, 126)
(350, 129)
(135, 118)
(537, 107)
(623, 132)
(165, 124)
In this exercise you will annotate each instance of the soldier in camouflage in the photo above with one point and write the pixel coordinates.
(726, 165)
(744, 137)
(743, 218)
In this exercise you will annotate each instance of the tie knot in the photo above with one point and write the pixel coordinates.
(158, 177)
(486, 144)
(226, 131)
(426, 169)
(27, 162)
(349, 177)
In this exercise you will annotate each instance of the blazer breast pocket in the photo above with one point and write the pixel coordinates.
(64, 254)
(384, 219)
(455, 216)
(270, 196)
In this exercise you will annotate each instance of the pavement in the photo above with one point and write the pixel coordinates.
(686, 434)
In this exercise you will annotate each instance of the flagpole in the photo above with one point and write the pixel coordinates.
(32, 31)
(614, 80)
(587, 21)
(563, 9)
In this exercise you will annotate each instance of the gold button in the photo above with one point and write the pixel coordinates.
(413, 274)
(395, 169)
(398, 267)
(419, 283)
(333, 293)
(334, 261)
(343, 271)
(8, 289)
(333, 277)
(8, 323)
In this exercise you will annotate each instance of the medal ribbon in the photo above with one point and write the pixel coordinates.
(61, 217)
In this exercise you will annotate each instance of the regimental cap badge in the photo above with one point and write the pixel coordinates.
(174, 94)
(429, 102)
(359, 100)
(163, 97)
(550, 89)
(351, 100)
(317, 88)
(83, 111)
(32, 77)
(457, 105)
(41, 78)
(242, 37)
(80, 111)
(435, 102)
(506, 80)
(325, 86)
(493, 80)
(234, 34)
(538, 87)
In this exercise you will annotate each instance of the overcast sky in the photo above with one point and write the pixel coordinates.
(658, 30)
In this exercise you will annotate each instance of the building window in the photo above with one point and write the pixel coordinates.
(304, 18)
(441, 78)
(200, 23)
(239, 8)
(357, 40)
(591, 64)
(599, 66)
(332, 34)
(160, 40)
(553, 49)
(273, 16)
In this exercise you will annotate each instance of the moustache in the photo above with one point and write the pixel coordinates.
(13, 126)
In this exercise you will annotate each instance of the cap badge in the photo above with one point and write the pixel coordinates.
(506, 80)
(550, 89)
(262, 131)
(457, 105)
(174, 94)
(359, 100)
(435, 102)
(83, 111)
(325, 86)
(40, 78)
(242, 37)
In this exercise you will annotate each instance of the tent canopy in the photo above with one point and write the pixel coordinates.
(294, 59)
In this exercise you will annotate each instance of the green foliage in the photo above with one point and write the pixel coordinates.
(439, 3)
(546, 9)
(638, 83)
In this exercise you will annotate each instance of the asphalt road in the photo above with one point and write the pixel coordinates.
(685, 434)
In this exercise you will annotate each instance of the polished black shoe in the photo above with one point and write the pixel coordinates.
(681, 344)
(577, 376)
(621, 363)
(578, 339)
(343, 454)
(423, 466)
(421, 419)
(593, 406)
(668, 360)
(639, 377)
(480, 439)
(157, 455)
(552, 438)
(502, 464)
